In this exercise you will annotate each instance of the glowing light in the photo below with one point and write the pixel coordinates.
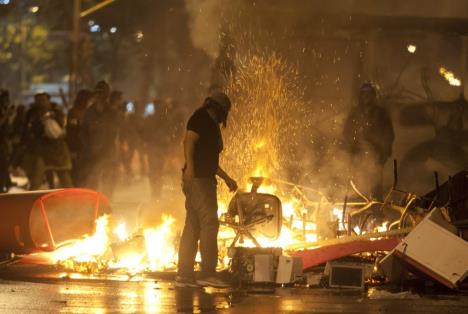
(338, 216)
(411, 48)
(139, 36)
(34, 9)
(260, 144)
(449, 77)
(149, 109)
(95, 28)
(130, 107)
(113, 30)
(4, 2)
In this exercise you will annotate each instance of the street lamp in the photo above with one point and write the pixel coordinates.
(34, 9)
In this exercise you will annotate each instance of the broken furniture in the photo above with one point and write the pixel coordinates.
(399, 208)
(42, 220)
(252, 214)
(453, 195)
(328, 250)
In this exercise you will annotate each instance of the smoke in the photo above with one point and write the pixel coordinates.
(205, 18)
(263, 131)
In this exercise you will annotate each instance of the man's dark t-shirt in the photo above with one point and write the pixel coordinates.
(209, 145)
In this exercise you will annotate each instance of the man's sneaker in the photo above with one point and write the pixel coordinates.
(212, 281)
(185, 282)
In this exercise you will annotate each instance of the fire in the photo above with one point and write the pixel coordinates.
(160, 245)
(268, 99)
(154, 250)
(294, 229)
(121, 231)
(382, 228)
(86, 250)
(338, 216)
(449, 77)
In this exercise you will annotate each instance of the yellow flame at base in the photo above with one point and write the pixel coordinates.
(87, 249)
(94, 253)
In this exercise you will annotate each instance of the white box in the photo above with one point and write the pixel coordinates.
(264, 268)
(289, 269)
(434, 249)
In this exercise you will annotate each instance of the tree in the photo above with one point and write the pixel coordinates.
(28, 52)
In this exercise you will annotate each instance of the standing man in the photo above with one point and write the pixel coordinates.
(44, 141)
(100, 132)
(74, 139)
(163, 132)
(5, 115)
(202, 145)
(368, 136)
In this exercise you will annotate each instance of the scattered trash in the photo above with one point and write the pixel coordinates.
(345, 275)
(377, 294)
(314, 279)
(289, 269)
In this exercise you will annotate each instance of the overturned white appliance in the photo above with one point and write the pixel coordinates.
(433, 248)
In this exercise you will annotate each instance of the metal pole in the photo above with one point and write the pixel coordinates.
(96, 8)
(73, 80)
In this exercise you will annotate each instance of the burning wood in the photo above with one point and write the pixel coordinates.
(153, 249)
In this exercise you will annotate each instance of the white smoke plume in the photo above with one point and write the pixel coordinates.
(205, 18)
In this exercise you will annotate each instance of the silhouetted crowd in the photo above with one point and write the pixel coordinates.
(100, 140)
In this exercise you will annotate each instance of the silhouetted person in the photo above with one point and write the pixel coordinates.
(17, 127)
(202, 145)
(454, 129)
(44, 142)
(132, 138)
(100, 131)
(368, 136)
(162, 134)
(74, 130)
(5, 113)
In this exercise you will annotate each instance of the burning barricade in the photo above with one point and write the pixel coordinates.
(277, 233)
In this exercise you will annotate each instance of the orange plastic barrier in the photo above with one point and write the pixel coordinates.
(41, 220)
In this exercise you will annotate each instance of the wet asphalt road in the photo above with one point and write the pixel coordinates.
(150, 296)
